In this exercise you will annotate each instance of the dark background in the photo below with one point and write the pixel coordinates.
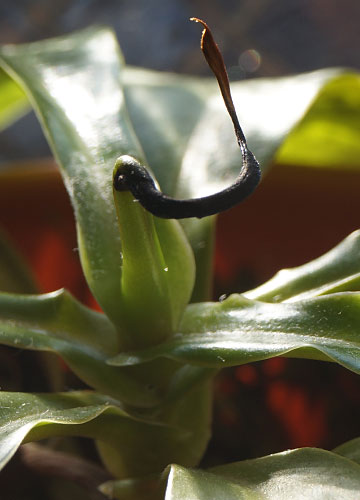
(289, 36)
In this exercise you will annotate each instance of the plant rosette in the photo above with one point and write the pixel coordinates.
(150, 356)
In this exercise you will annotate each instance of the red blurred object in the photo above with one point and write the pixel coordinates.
(274, 367)
(304, 420)
(295, 215)
(246, 374)
(36, 213)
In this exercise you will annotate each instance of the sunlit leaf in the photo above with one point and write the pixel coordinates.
(336, 271)
(189, 140)
(74, 84)
(239, 330)
(13, 102)
(297, 474)
(188, 137)
(328, 135)
(350, 449)
(164, 109)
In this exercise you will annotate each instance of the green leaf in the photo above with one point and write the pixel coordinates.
(296, 474)
(328, 135)
(183, 436)
(31, 417)
(188, 137)
(74, 84)
(157, 275)
(189, 141)
(58, 323)
(350, 450)
(336, 271)
(15, 277)
(238, 331)
(164, 109)
(21, 413)
(13, 101)
(266, 123)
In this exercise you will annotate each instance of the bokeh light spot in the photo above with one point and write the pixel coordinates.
(250, 60)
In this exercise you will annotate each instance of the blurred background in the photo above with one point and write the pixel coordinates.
(264, 407)
(257, 38)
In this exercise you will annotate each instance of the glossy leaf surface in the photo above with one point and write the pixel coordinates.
(158, 274)
(58, 323)
(30, 417)
(21, 413)
(239, 330)
(299, 474)
(296, 474)
(74, 83)
(268, 109)
(336, 271)
(350, 449)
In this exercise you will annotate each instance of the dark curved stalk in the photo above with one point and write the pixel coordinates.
(44, 461)
(131, 176)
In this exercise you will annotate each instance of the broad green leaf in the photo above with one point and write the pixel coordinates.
(350, 449)
(21, 413)
(239, 330)
(328, 135)
(158, 273)
(74, 84)
(297, 474)
(15, 277)
(13, 101)
(85, 339)
(189, 424)
(190, 420)
(336, 271)
(189, 140)
(188, 137)
(164, 109)
(56, 322)
(268, 109)
(31, 417)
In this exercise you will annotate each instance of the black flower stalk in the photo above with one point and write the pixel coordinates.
(131, 176)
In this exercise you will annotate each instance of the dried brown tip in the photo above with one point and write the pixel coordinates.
(215, 60)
